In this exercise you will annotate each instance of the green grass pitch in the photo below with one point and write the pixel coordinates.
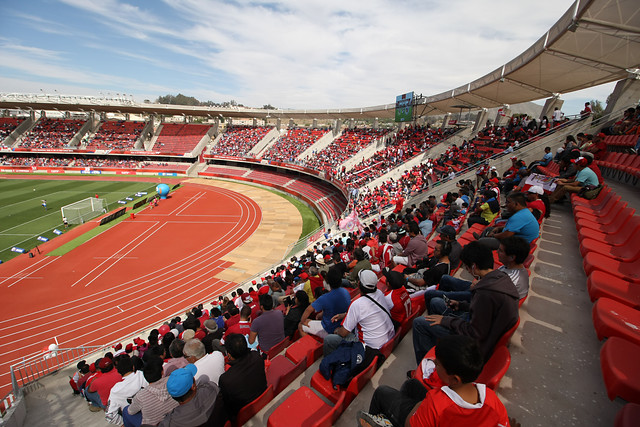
(23, 219)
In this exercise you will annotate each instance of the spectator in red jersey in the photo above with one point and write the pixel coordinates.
(243, 327)
(398, 296)
(100, 387)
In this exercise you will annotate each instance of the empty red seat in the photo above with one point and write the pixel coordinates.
(282, 371)
(619, 211)
(249, 410)
(604, 285)
(628, 416)
(357, 383)
(628, 251)
(620, 369)
(625, 270)
(609, 209)
(390, 345)
(304, 408)
(308, 347)
(608, 225)
(617, 238)
(610, 197)
(614, 319)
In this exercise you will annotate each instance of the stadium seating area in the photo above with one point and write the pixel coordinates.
(346, 145)
(106, 163)
(405, 145)
(180, 138)
(7, 125)
(35, 161)
(51, 133)
(290, 145)
(114, 135)
(239, 140)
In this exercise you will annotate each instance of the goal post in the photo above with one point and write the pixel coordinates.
(84, 210)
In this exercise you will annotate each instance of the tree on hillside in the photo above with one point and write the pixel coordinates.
(596, 109)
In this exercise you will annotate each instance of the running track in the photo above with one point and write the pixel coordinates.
(131, 277)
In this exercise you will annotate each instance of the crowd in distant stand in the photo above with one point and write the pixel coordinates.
(106, 163)
(289, 146)
(7, 125)
(116, 135)
(239, 140)
(51, 133)
(346, 145)
(35, 161)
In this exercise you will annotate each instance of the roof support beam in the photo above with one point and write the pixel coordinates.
(584, 60)
(535, 89)
(612, 25)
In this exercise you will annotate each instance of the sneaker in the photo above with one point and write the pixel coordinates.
(368, 420)
(94, 408)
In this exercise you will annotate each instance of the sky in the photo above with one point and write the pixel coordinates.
(290, 54)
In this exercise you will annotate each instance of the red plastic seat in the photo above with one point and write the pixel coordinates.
(614, 319)
(249, 410)
(628, 251)
(606, 210)
(620, 369)
(282, 371)
(610, 197)
(408, 322)
(495, 368)
(593, 203)
(304, 408)
(357, 383)
(504, 340)
(628, 416)
(616, 238)
(609, 224)
(276, 349)
(615, 214)
(624, 270)
(522, 300)
(388, 347)
(604, 285)
(308, 347)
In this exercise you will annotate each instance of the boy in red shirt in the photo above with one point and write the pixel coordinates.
(461, 402)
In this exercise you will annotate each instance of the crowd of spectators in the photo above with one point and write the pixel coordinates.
(346, 145)
(106, 163)
(114, 135)
(407, 143)
(51, 133)
(239, 140)
(7, 125)
(35, 161)
(289, 146)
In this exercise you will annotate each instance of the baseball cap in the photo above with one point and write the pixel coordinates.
(105, 363)
(580, 161)
(447, 230)
(368, 279)
(536, 189)
(320, 259)
(181, 380)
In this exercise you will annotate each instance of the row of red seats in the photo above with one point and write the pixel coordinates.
(180, 138)
(609, 235)
(621, 165)
(116, 135)
(8, 125)
(622, 142)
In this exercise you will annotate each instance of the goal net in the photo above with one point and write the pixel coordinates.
(84, 210)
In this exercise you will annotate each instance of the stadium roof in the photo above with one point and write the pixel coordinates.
(594, 42)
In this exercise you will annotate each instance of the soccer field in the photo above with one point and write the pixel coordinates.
(23, 219)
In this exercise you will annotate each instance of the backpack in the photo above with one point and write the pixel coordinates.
(340, 366)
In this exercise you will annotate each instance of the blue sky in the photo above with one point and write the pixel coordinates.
(291, 54)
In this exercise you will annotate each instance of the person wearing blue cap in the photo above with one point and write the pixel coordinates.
(200, 401)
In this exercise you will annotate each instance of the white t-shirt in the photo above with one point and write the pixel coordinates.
(211, 365)
(374, 326)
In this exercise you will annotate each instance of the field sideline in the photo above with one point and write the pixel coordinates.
(23, 219)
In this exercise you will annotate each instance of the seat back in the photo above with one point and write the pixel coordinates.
(388, 347)
(358, 382)
(332, 416)
(249, 410)
(276, 349)
(495, 368)
(504, 340)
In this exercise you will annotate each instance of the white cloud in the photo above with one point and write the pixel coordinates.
(315, 54)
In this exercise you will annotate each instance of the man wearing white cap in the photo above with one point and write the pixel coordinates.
(369, 316)
(534, 202)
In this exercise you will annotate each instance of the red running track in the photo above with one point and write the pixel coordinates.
(132, 277)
